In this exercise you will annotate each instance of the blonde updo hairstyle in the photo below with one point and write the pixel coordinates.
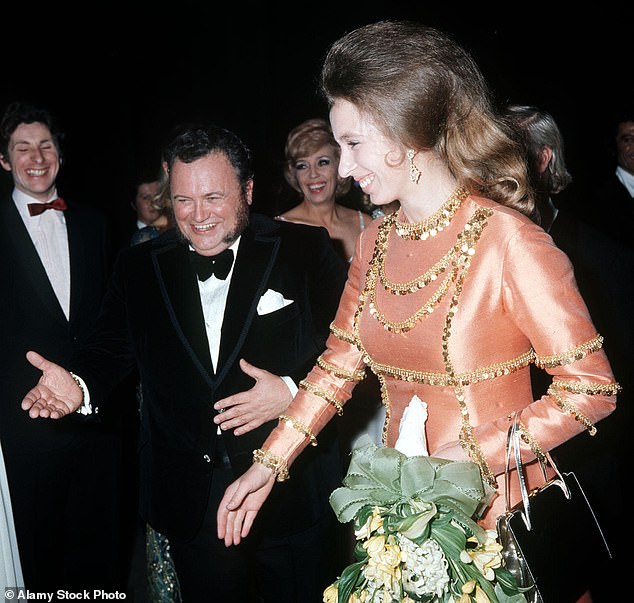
(304, 140)
(425, 91)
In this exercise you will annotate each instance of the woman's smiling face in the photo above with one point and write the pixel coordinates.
(365, 153)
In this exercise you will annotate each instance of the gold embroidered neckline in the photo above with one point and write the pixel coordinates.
(431, 225)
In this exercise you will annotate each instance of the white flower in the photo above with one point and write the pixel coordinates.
(425, 568)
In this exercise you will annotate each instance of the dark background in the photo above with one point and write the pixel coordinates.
(121, 76)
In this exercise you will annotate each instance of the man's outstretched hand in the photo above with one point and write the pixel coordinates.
(56, 393)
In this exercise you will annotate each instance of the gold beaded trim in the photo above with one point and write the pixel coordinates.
(322, 393)
(588, 389)
(343, 335)
(388, 408)
(571, 409)
(272, 461)
(299, 426)
(466, 438)
(357, 375)
(432, 225)
(80, 386)
(535, 446)
(415, 284)
(403, 326)
(577, 353)
(492, 371)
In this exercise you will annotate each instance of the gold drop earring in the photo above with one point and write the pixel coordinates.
(414, 172)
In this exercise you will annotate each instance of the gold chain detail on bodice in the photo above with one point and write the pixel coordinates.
(432, 225)
(456, 259)
(499, 369)
(415, 284)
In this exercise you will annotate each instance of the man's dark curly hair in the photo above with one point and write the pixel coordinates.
(18, 113)
(190, 142)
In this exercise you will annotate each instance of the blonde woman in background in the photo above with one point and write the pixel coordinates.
(310, 168)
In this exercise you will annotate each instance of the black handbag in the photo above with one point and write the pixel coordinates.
(552, 541)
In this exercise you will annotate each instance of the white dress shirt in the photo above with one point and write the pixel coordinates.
(213, 297)
(48, 233)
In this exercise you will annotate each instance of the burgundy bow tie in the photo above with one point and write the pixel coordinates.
(35, 209)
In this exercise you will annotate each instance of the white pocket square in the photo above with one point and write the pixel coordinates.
(272, 301)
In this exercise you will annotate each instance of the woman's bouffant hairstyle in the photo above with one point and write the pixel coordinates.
(425, 91)
(304, 140)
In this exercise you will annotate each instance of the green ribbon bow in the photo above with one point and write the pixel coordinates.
(385, 477)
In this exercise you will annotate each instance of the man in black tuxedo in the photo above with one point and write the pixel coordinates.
(53, 272)
(218, 357)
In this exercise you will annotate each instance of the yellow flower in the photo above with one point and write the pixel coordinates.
(331, 594)
(358, 597)
(486, 557)
(481, 596)
(374, 545)
(467, 587)
(391, 555)
(467, 591)
(383, 574)
(373, 523)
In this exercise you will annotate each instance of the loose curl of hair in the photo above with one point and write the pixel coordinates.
(425, 91)
(304, 140)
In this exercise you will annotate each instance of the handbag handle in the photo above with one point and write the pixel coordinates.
(513, 441)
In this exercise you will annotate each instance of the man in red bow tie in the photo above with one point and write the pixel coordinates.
(52, 277)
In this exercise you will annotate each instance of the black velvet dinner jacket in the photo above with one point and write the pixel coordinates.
(152, 317)
(31, 318)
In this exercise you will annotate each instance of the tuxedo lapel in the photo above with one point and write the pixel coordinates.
(27, 261)
(182, 298)
(253, 265)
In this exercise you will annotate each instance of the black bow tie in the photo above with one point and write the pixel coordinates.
(206, 265)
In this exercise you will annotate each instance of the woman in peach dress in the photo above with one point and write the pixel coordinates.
(452, 297)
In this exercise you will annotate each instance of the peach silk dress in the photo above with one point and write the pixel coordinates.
(455, 309)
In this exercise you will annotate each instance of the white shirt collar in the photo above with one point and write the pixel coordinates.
(626, 179)
(234, 246)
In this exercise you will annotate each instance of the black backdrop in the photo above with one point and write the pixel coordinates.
(121, 76)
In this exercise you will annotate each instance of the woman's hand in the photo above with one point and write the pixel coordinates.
(242, 501)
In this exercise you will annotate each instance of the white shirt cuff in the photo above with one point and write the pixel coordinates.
(290, 384)
(86, 406)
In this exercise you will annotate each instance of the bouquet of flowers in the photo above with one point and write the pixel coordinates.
(414, 523)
